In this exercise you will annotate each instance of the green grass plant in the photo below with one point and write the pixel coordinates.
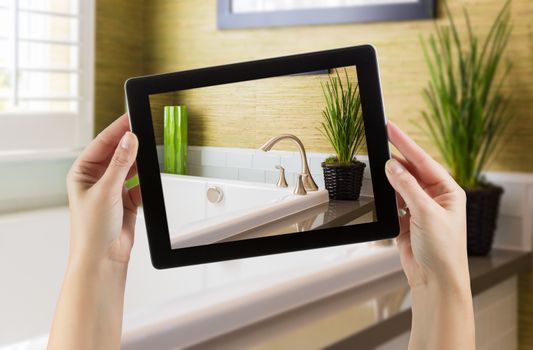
(467, 110)
(342, 121)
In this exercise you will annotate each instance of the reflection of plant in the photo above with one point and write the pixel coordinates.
(343, 119)
(467, 109)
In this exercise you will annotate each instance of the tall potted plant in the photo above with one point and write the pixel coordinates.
(344, 128)
(467, 114)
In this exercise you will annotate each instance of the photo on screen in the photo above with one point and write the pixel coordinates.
(263, 157)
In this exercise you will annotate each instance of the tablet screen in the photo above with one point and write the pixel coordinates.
(263, 157)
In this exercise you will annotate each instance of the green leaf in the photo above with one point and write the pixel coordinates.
(466, 112)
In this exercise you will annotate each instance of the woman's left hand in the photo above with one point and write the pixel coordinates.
(102, 210)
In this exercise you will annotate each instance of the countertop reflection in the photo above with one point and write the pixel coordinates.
(362, 317)
(331, 214)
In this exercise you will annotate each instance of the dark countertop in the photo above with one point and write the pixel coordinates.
(330, 214)
(485, 272)
(363, 317)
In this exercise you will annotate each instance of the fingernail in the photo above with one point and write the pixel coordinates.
(125, 142)
(394, 167)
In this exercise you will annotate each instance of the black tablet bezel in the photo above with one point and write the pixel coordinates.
(138, 90)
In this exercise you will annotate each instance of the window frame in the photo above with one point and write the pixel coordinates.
(58, 132)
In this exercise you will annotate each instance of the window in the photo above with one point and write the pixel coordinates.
(46, 74)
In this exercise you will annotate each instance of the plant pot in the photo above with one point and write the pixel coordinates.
(344, 181)
(482, 205)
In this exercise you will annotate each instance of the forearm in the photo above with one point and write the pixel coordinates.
(443, 318)
(89, 311)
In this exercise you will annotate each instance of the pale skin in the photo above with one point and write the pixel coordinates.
(432, 245)
(89, 310)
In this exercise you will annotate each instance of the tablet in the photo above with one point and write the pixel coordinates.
(238, 160)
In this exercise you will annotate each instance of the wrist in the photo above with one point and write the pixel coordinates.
(96, 269)
(452, 279)
(436, 292)
(443, 317)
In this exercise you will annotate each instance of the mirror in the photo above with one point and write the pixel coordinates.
(233, 14)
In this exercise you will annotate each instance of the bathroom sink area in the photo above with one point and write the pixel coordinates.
(239, 293)
(194, 220)
(177, 307)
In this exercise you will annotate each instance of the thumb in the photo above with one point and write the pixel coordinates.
(407, 186)
(123, 159)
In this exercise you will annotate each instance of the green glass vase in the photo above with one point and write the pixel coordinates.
(175, 139)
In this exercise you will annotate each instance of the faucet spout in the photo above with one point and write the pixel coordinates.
(307, 179)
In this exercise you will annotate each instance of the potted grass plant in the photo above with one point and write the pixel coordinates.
(343, 126)
(467, 114)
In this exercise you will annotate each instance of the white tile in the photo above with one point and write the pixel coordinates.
(160, 152)
(239, 159)
(319, 180)
(315, 163)
(219, 172)
(291, 178)
(266, 161)
(367, 174)
(194, 156)
(509, 232)
(212, 157)
(366, 189)
(292, 162)
(194, 170)
(513, 199)
(271, 177)
(253, 175)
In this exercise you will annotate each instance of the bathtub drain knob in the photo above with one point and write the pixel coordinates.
(214, 194)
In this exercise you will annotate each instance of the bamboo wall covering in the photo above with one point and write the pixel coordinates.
(246, 114)
(118, 55)
(192, 40)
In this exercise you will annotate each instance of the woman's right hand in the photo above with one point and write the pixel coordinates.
(432, 244)
(432, 238)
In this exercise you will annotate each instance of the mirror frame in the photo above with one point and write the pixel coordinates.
(408, 10)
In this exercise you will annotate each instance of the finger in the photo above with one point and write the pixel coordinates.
(135, 196)
(435, 189)
(120, 164)
(410, 168)
(406, 185)
(130, 205)
(427, 169)
(104, 144)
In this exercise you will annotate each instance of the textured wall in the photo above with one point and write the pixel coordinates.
(119, 52)
(183, 34)
(247, 114)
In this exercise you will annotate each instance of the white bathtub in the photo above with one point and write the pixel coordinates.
(176, 307)
(193, 220)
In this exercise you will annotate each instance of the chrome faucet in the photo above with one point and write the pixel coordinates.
(305, 181)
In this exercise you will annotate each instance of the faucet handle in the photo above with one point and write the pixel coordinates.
(300, 188)
(282, 181)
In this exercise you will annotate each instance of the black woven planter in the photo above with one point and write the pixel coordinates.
(344, 181)
(482, 204)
